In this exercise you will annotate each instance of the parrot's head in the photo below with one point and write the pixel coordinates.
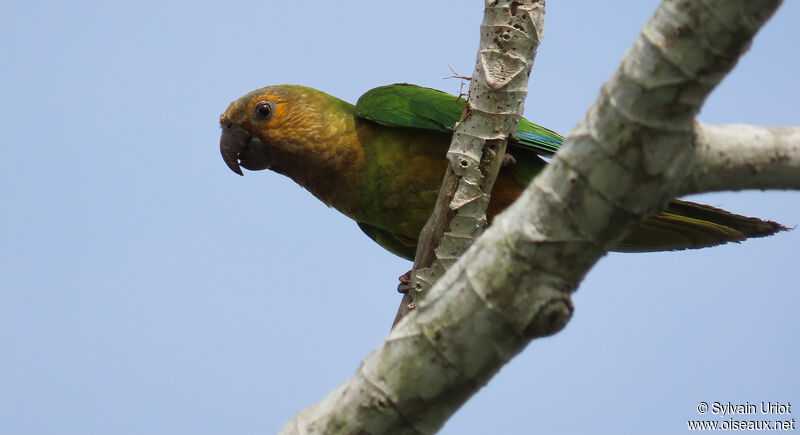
(277, 127)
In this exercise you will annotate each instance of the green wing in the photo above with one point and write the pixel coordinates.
(411, 106)
(404, 105)
(545, 141)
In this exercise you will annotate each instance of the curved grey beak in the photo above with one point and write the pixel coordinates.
(241, 150)
(231, 144)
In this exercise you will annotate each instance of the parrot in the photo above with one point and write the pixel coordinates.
(381, 163)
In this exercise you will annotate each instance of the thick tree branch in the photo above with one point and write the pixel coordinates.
(734, 157)
(510, 34)
(623, 162)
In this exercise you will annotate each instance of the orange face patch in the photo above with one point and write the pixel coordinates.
(279, 109)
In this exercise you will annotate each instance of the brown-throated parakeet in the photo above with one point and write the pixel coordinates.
(382, 160)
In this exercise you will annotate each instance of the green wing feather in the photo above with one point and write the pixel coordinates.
(542, 139)
(412, 106)
(404, 105)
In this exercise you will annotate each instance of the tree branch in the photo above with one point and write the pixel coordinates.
(510, 35)
(623, 162)
(734, 157)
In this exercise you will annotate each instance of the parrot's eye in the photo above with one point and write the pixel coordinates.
(264, 110)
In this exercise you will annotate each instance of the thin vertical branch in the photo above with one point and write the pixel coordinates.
(510, 35)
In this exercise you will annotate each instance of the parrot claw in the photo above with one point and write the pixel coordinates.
(405, 283)
(508, 161)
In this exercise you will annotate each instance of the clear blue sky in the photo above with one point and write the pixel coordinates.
(145, 288)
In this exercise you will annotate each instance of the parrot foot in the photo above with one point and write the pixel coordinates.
(508, 161)
(405, 283)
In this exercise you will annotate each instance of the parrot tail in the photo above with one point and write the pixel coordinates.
(688, 225)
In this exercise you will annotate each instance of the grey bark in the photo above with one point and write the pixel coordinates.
(735, 157)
